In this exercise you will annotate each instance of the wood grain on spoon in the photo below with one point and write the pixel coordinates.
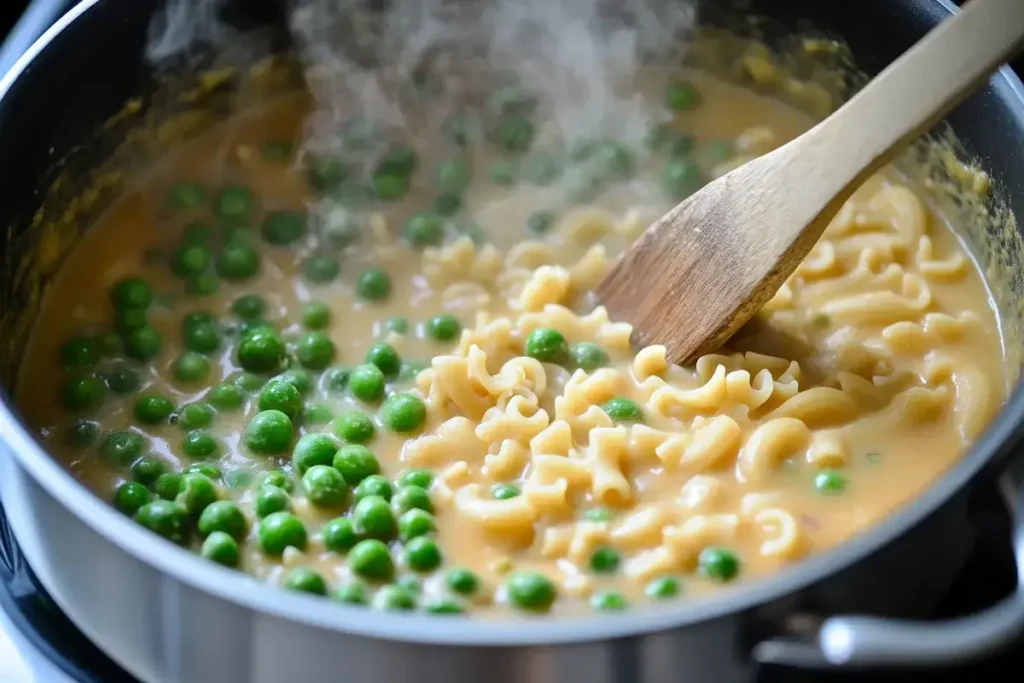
(702, 270)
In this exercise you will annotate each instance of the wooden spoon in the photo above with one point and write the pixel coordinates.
(702, 270)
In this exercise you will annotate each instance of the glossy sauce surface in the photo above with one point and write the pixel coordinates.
(861, 382)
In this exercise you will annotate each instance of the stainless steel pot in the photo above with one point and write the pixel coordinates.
(167, 615)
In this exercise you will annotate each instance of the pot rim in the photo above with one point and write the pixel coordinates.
(230, 585)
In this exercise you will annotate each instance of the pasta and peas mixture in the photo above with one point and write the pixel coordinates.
(403, 400)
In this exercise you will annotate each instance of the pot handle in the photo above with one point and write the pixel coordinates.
(865, 641)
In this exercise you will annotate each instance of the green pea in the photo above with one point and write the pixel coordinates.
(399, 160)
(374, 285)
(201, 337)
(197, 233)
(462, 581)
(415, 523)
(339, 535)
(583, 189)
(261, 350)
(718, 564)
(597, 515)
(542, 170)
(680, 178)
(388, 186)
(79, 353)
(681, 145)
(385, 358)
(614, 160)
(531, 591)
(373, 485)
(316, 414)
(502, 172)
(396, 324)
(168, 485)
(301, 379)
(130, 496)
(589, 357)
(191, 367)
(191, 259)
(223, 516)
(540, 222)
(280, 395)
(238, 480)
(681, 96)
(352, 593)
(269, 432)
(121, 448)
(127, 320)
(472, 230)
(604, 560)
(248, 382)
(354, 427)
(311, 450)
(249, 307)
(278, 478)
(234, 204)
(403, 413)
(196, 415)
(197, 491)
(546, 345)
(412, 497)
(444, 327)
(219, 547)
(226, 396)
(443, 606)
(186, 194)
(211, 472)
(143, 344)
(316, 315)
(334, 380)
(83, 393)
(283, 228)
(371, 559)
(512, 98)
(305, 580)
(663, 588)
(514, 133)
(279, 530)
(325, 173)
(199, 444)
(81, 434)
(355, 462)
(416, 477)
(830, 482)
(238, 261)
(608, 601)
(367, 383)
(504, 491)
(424, 230)
(271, 499)
(205, 284)
(322, 269)
(131, 293)
(373, 518)
(623, 410)
(422, 554)
(315, 350)
(164, 518)
(393, 598)
(324, 486)
(121, 379)
(717, 151)
(147, 469)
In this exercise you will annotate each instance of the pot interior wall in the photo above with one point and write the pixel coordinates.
(66, 116)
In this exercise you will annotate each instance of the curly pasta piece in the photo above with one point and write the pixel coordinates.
(520, 419)
(454, 440)
(507, 462)
(713, 444)
(786, 541)
(650, 362)
(548, 285)
(513, 514)
(819, 407)
(770, 444)
(606, 451)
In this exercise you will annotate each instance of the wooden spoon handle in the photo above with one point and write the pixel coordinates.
(920, 88)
